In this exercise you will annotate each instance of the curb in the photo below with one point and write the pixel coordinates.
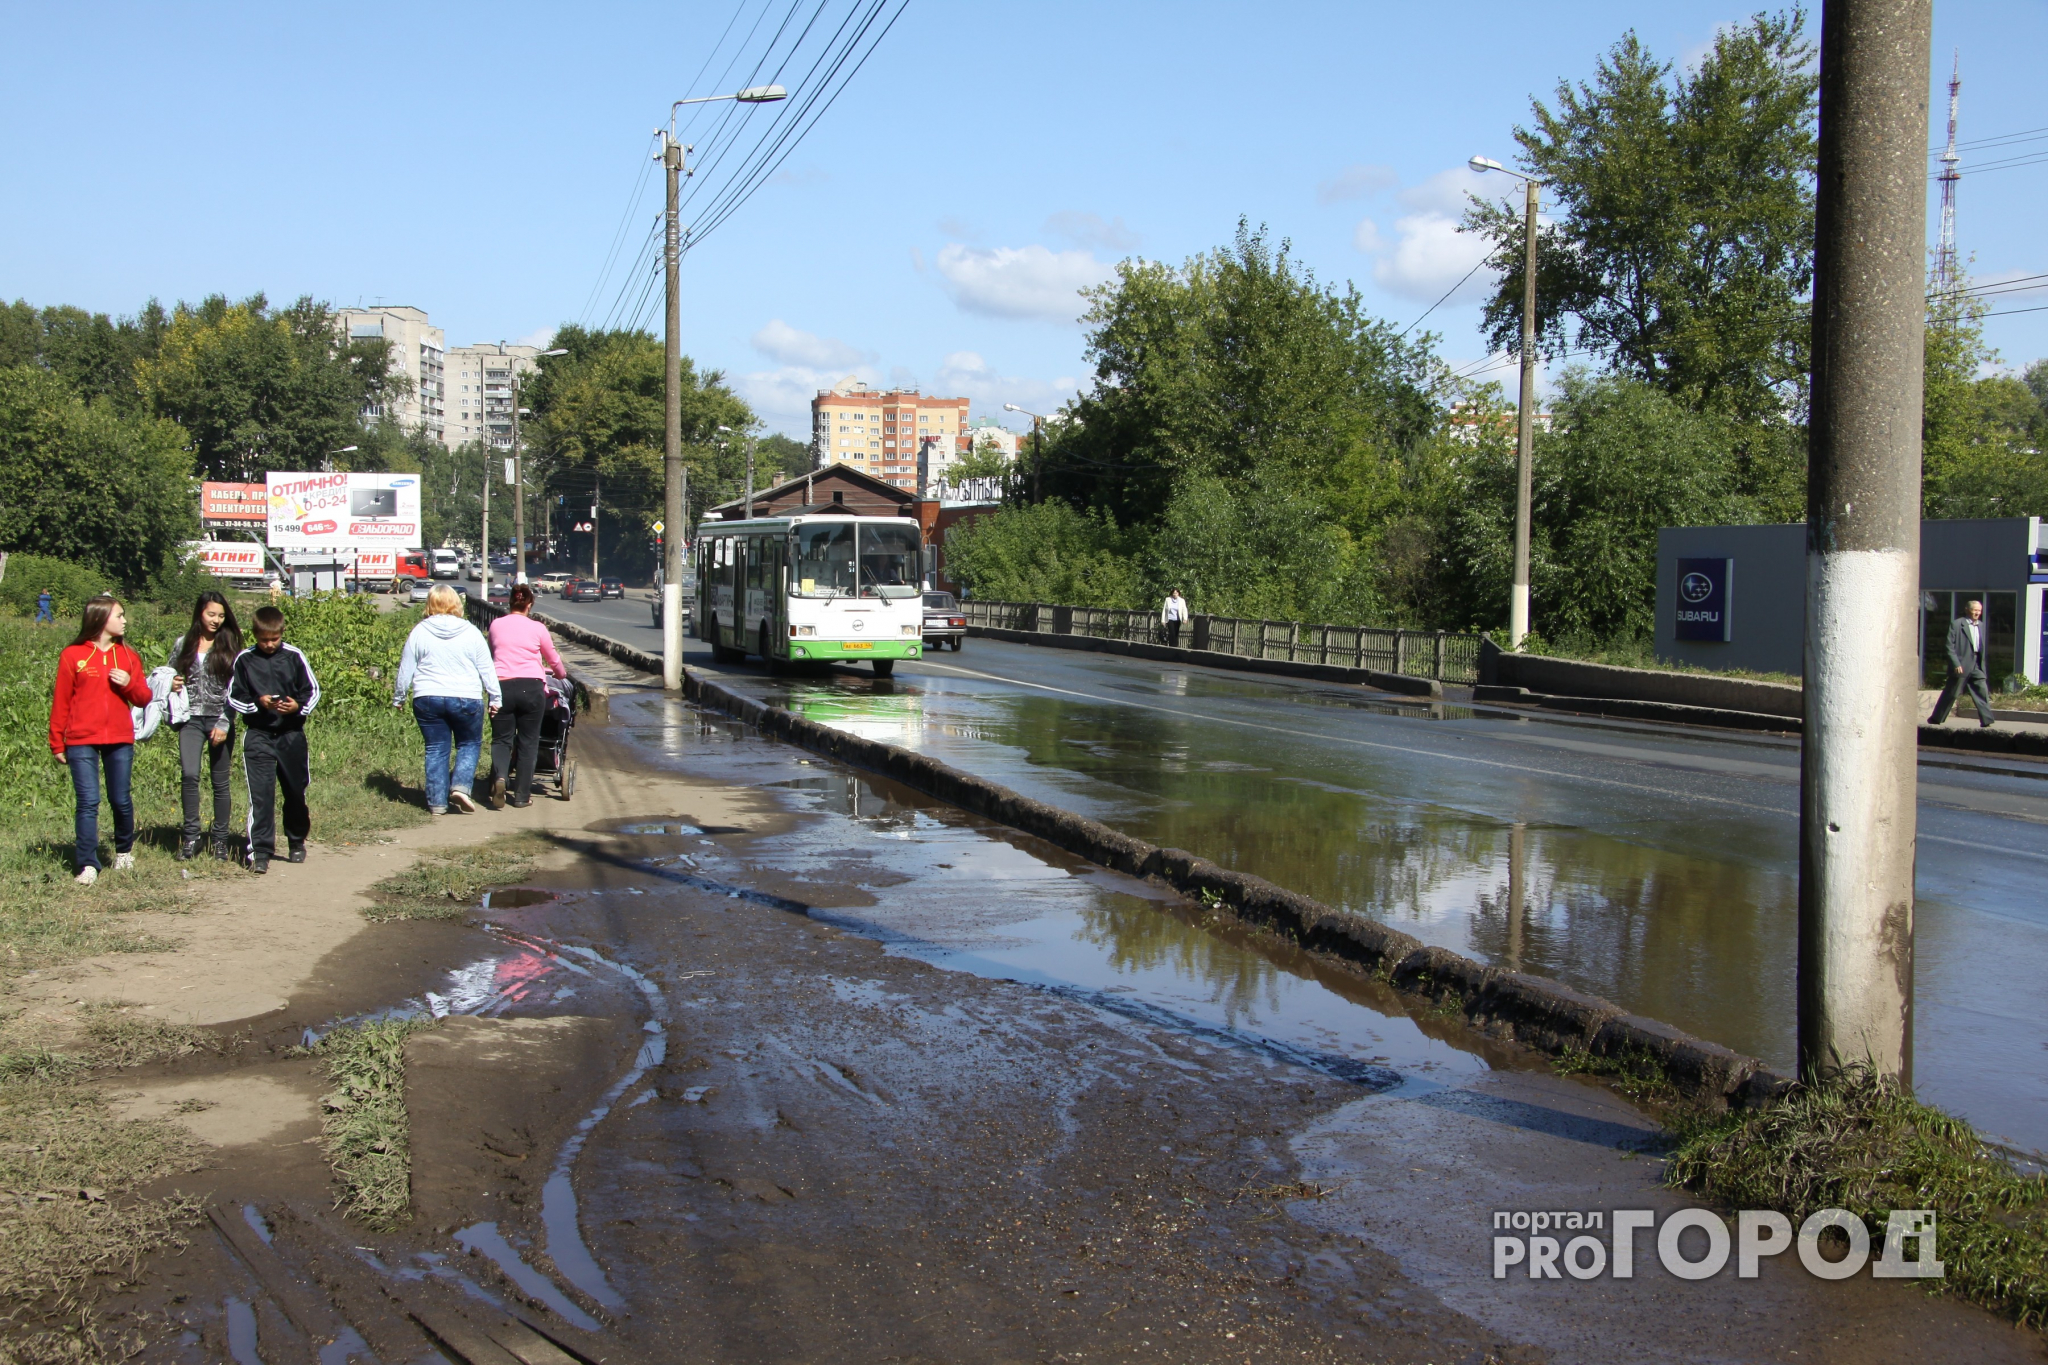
(1402, 683)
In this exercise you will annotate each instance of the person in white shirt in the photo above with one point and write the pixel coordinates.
(1966, 667)
(1171, 615)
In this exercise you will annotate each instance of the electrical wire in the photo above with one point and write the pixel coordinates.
(1439, 303)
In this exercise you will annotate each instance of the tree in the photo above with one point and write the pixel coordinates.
(984, 460)
(92, 353)
(598, 416)
(259, 389)
(87, 484)
(1048, 552)
(1981, 447)
(778, 458)
(1681, 250)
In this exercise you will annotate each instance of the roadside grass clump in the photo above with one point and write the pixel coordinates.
(1632, 1073)
(117, 1036)
(1861, 1142)
(367, 1138)
(446, 883)
(70, 1224)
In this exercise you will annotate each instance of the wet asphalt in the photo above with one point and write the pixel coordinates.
(1654, 865)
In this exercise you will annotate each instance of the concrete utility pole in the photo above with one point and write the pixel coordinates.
(594, 488)
(1525, 424)
(674, 491)
(484, 575)
(518, 484)
(1857, 796)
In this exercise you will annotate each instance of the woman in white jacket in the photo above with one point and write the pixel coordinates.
(448, 667)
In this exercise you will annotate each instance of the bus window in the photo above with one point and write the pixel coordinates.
(824, 560)
(889, 558)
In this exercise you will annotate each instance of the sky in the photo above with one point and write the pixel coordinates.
(933, 227)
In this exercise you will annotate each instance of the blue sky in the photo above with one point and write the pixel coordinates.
(477, 161)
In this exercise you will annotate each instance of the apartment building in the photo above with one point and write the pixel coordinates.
(882, 432)
(480, 392)
(986, 431)
(418, 353)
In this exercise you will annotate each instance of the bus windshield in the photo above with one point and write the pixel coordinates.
(889, 560)
(823, 560)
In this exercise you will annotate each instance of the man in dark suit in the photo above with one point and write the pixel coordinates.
(1965, 666)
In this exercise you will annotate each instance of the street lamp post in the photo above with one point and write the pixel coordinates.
(327, 464)
(674, 490)
(1037, 449)
(750, 468)
(1525, 426)
(518, 482)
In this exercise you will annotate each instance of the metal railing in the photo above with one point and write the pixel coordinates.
(1447, 656)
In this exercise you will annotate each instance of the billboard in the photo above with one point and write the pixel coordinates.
(343, 511)
(230, 558)
(233, 506)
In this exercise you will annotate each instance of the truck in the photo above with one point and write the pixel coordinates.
(411, 564)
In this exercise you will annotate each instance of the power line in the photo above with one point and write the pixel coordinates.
(1439, 303)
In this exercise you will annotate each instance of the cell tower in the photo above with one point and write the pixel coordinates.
(1947, 278)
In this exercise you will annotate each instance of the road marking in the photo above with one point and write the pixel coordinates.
(1667, 793)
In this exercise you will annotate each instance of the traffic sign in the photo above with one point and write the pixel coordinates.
(658, 528)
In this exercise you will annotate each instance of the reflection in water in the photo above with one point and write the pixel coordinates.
(1134, 936)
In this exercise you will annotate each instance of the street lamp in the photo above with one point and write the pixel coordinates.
(750, 468)
(1037, 448)
(1518, 603)
(674, 490)
(518, 484)
(327, 465)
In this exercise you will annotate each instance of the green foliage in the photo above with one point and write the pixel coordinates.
(1862, 1143)
(446, 883)
(92, 353)
(1682, 246)
(261, 389)
(598, 415)
(70, 586)
(1260, 550)
(368, 1138)
(984, 460)
(1048, 552)
(1984, 440)
(777, 459)
(353, 647)
(1623, 459)
(86, 484)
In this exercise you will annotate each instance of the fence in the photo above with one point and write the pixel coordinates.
(1444, 655)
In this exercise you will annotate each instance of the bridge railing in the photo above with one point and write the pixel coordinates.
(1447, 656)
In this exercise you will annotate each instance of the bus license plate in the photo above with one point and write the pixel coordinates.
(858, 644)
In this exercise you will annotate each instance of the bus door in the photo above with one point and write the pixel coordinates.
(756, 593)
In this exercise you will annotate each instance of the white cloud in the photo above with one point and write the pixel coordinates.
(793, 346)
(987, 389)
(1091, 229)
(782, 396)
(1020, 282)
(1425, 253)
(539, 336)
(1354, 182)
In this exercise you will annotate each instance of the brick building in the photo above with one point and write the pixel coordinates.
(885, 433)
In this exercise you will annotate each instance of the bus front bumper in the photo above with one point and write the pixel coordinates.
(810, 647)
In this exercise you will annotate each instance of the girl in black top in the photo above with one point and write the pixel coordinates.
(202, 661)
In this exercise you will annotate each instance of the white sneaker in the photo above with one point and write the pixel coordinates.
(88, 875)
(124, 862)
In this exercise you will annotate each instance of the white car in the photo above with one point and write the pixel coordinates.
(552, 582)
(420, 588)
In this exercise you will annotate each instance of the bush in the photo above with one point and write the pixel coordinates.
(1048, 552)
(353, 646)
(71, 585)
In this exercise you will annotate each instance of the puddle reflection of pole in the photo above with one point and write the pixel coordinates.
(1518, 838)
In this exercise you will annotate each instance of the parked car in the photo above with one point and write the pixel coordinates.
(582, 590)
(551, 582)
(943, 622)
(613, 587)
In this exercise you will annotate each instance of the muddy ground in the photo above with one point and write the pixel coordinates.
(698, 1102)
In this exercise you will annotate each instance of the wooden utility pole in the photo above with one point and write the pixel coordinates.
(1857, 798)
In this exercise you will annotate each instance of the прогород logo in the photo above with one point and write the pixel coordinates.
(1758, 1234)
(1696, 587)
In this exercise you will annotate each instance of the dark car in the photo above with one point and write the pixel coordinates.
(582, 590)
(501, 590)
(943, 621)
(613, 587)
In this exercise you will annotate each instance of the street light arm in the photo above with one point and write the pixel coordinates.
(1482, 164)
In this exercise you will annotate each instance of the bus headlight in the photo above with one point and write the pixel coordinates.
(913, 629)
(803, 630)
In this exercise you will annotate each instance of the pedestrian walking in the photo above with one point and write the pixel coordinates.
(522, 648)
(1171, 615)
(272, 688)
(91, 728)
(1966, 667)
(202, 663)
(46, 614)
(448, 667)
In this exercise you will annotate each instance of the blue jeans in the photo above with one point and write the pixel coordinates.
(85, 761)
(442, 719)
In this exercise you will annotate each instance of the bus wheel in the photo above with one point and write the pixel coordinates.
(720, 652)
(884, 667)
(768, 660)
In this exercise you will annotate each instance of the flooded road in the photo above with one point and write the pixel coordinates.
(1654, 866)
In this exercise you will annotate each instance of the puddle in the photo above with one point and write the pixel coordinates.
(485, 1239)
(515, 898)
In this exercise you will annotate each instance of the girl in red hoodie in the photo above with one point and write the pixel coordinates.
(98, 679)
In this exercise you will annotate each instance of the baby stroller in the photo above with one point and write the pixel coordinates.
(555, 724)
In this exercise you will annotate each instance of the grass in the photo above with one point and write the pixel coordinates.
(1862, 1143)
(1638, 651)
(70, 1222)
(446, 883)
(368, 1140)
(1637, 1075)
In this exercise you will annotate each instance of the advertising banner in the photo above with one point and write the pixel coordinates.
(233, 506)
(334, 511)
(230, 558)
(1704, 589)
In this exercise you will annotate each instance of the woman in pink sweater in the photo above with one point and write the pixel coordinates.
(522, 648)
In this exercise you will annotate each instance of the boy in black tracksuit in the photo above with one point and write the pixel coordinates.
(273, 689)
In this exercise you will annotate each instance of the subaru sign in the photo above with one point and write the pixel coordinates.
(1704, 587)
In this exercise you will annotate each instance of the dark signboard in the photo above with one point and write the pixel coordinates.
(1704, 589)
